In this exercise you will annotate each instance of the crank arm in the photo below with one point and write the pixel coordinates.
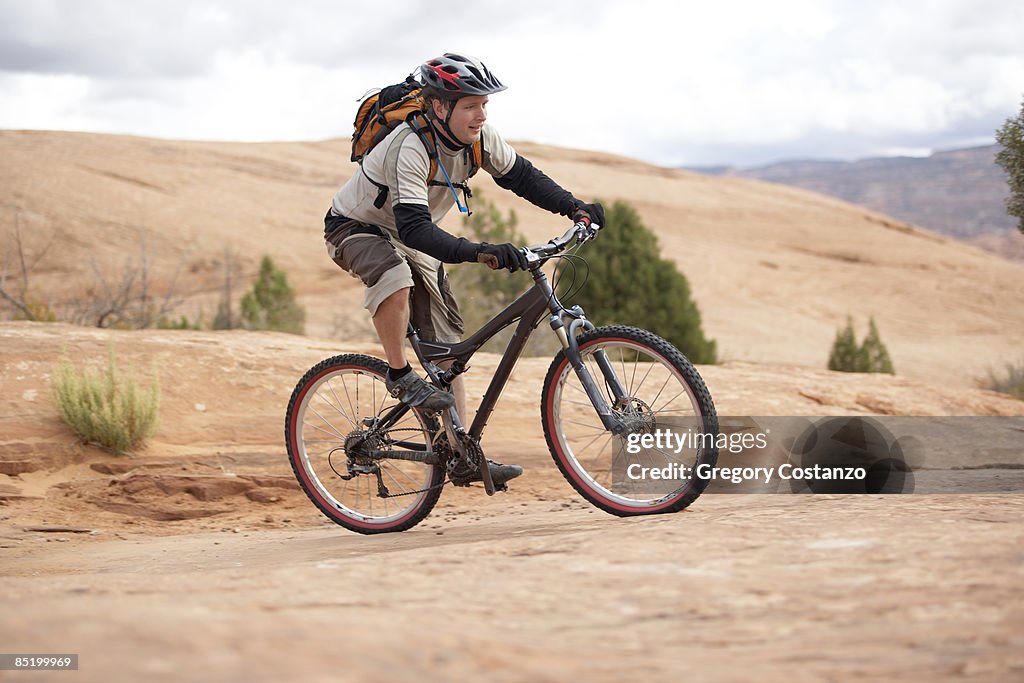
(455, 432)
(485, 475)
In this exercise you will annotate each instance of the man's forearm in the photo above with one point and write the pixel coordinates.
(530, 183)
(418, 231)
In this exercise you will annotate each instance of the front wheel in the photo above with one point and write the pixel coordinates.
(671, 424)
(336, 404)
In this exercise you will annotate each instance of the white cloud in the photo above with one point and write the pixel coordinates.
(672, 82)
(43, 101)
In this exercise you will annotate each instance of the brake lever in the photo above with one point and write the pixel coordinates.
(589, 232)
(586, 229)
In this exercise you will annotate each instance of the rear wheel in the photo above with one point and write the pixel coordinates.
(336, 404)
(663, 393)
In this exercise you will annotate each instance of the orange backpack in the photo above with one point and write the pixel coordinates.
(381, 111)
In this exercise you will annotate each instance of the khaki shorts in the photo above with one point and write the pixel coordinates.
(386, 266)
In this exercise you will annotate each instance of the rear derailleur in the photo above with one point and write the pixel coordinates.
(358, 445)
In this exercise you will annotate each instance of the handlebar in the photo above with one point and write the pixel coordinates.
(583, 231)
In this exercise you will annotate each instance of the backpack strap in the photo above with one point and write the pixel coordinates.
(418, 123)
(421, 127)
(382, 190)
(476, 157)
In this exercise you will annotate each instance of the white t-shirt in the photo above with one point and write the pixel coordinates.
(401, 162)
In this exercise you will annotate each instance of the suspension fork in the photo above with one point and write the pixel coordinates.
(570, 346)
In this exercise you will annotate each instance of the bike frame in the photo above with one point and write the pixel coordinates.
(530, 309)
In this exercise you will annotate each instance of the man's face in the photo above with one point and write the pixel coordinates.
(467, 118)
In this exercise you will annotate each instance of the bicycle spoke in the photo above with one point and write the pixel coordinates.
(665, 384)
(658, 391)
(344, 487)
(355, 413)
(669, 402)
(597, 458)
(336, 408)
(325, 453)
(356, 410)
(387, 471)
(340, 401)
(339, 407)
(636, 390)
(369, 493)
(581, 403)
(412, 482)
(589, 444)
(632, 378)
(329, 424)
(588, 425)
(578, 388)
(622, 362)
(383, 399)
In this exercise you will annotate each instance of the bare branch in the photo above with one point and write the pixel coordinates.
(20, 251)
(17, 304)
(125, 296)
(37, 259)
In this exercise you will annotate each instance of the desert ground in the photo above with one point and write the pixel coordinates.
(198, 557)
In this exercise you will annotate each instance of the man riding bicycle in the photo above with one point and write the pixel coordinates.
(397, 249)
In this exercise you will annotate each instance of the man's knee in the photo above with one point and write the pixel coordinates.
(395, 282)
(398, 300)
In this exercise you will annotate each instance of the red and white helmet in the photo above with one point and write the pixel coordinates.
(459, 75)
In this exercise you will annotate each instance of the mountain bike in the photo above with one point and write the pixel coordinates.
(373, 464)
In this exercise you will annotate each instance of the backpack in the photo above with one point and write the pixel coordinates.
(381, 111)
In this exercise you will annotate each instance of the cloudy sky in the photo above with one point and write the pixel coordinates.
(679, 83)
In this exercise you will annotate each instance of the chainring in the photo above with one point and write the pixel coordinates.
(462, 471)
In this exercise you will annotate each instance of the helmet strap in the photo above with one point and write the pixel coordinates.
(448, 137)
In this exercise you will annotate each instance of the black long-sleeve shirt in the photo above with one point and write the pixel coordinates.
(418, 231)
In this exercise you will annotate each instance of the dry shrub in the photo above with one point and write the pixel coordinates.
(106, 409)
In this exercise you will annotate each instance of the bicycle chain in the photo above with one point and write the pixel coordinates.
(413, 493)
(410, 493)
(476, 453)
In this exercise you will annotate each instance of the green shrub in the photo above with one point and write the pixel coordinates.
(870, 356)
(270, 304)
(482, 292)
(224, 319)
(631, 284)
(845, 353)
(106, 409)
(1011, 157)
(1010, 381)
(874, 357)
(181, 323)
